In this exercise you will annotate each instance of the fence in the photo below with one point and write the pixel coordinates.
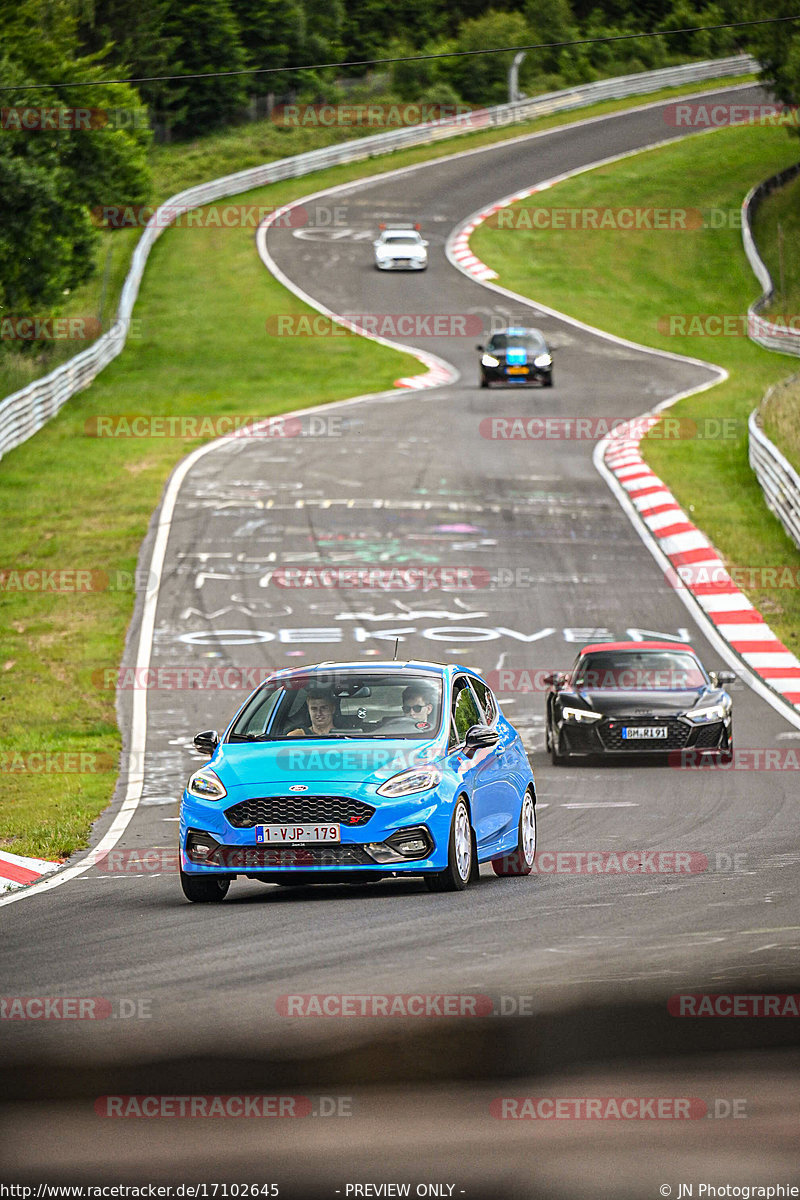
(779, 481)
(24, 412)
(769, 334)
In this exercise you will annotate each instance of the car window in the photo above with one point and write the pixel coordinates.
(639, 669)
(363, 703)
(532, 342)
(486, 699)
(465, 709)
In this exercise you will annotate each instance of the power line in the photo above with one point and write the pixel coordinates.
(375, 62)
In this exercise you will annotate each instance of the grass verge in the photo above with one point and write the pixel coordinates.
(780, 416)
(776, 229)
(629, 282)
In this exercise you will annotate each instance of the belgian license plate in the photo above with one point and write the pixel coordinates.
(288, 835)
(645, 731)
(517, 370)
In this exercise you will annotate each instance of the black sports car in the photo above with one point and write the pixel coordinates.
(638, 698)
(516, 356)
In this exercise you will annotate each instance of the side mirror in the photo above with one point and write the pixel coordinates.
(723, 677)
(426, 243)
(555, 679)
(481, 736)
(207, 741)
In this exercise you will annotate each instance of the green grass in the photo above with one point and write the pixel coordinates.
(777, 221)
(627, 282)
(780, 416)
(781, 210)
(68, 501)
(185, 164)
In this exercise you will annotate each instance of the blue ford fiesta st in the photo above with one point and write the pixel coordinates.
(347, 772)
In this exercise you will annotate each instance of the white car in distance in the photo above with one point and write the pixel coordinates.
(400, 248)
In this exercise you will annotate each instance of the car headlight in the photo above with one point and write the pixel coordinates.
(580, 716)
(416, 779)
(543, 360)
(703, 716)
(206, 785)
(488, 361)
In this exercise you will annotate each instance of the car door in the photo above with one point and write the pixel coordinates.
(481, 769)
(506, 773)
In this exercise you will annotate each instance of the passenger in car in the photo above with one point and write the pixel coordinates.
(321, 711)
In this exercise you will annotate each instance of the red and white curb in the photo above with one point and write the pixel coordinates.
(459, 246)
(16, 871)
(436, 376)
(698, 567)
(461, 252)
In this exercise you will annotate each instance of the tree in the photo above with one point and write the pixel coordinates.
(273, 34)
(50, 178)
(550, 21)
(135, 39)
(370, 25)
(207, 40)
(777, 48)
(483, 78)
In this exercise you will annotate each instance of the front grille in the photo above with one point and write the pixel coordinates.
(296, 810)
(708, 735)
(580, 739)
(610, 734)
(243, 858)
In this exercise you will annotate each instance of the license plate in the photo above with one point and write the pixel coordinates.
(288, 835)
(517, 370)
(645, 731)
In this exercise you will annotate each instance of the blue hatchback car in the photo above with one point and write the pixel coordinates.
(352, 772)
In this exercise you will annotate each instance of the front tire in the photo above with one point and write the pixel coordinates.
(204, 889)
(460, 854)
(520, 861)
(558, 760)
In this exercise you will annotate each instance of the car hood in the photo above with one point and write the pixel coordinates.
(614, 703)
(313, 761)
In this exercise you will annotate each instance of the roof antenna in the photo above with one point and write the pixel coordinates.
(396, 644)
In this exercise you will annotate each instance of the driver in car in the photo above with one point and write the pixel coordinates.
(418, 706)
(321, 710)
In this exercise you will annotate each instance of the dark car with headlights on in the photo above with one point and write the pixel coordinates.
(652, 698)
(516, 356)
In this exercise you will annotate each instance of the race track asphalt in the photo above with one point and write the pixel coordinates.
(410, 479)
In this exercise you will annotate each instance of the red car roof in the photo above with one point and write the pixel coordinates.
(638, 646)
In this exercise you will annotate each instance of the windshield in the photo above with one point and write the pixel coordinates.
(634, 670)
(403, 238)
(532, 341)
(342, 704)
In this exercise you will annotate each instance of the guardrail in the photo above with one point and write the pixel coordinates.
(779, 481)
(24, 412)
(772, 335)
